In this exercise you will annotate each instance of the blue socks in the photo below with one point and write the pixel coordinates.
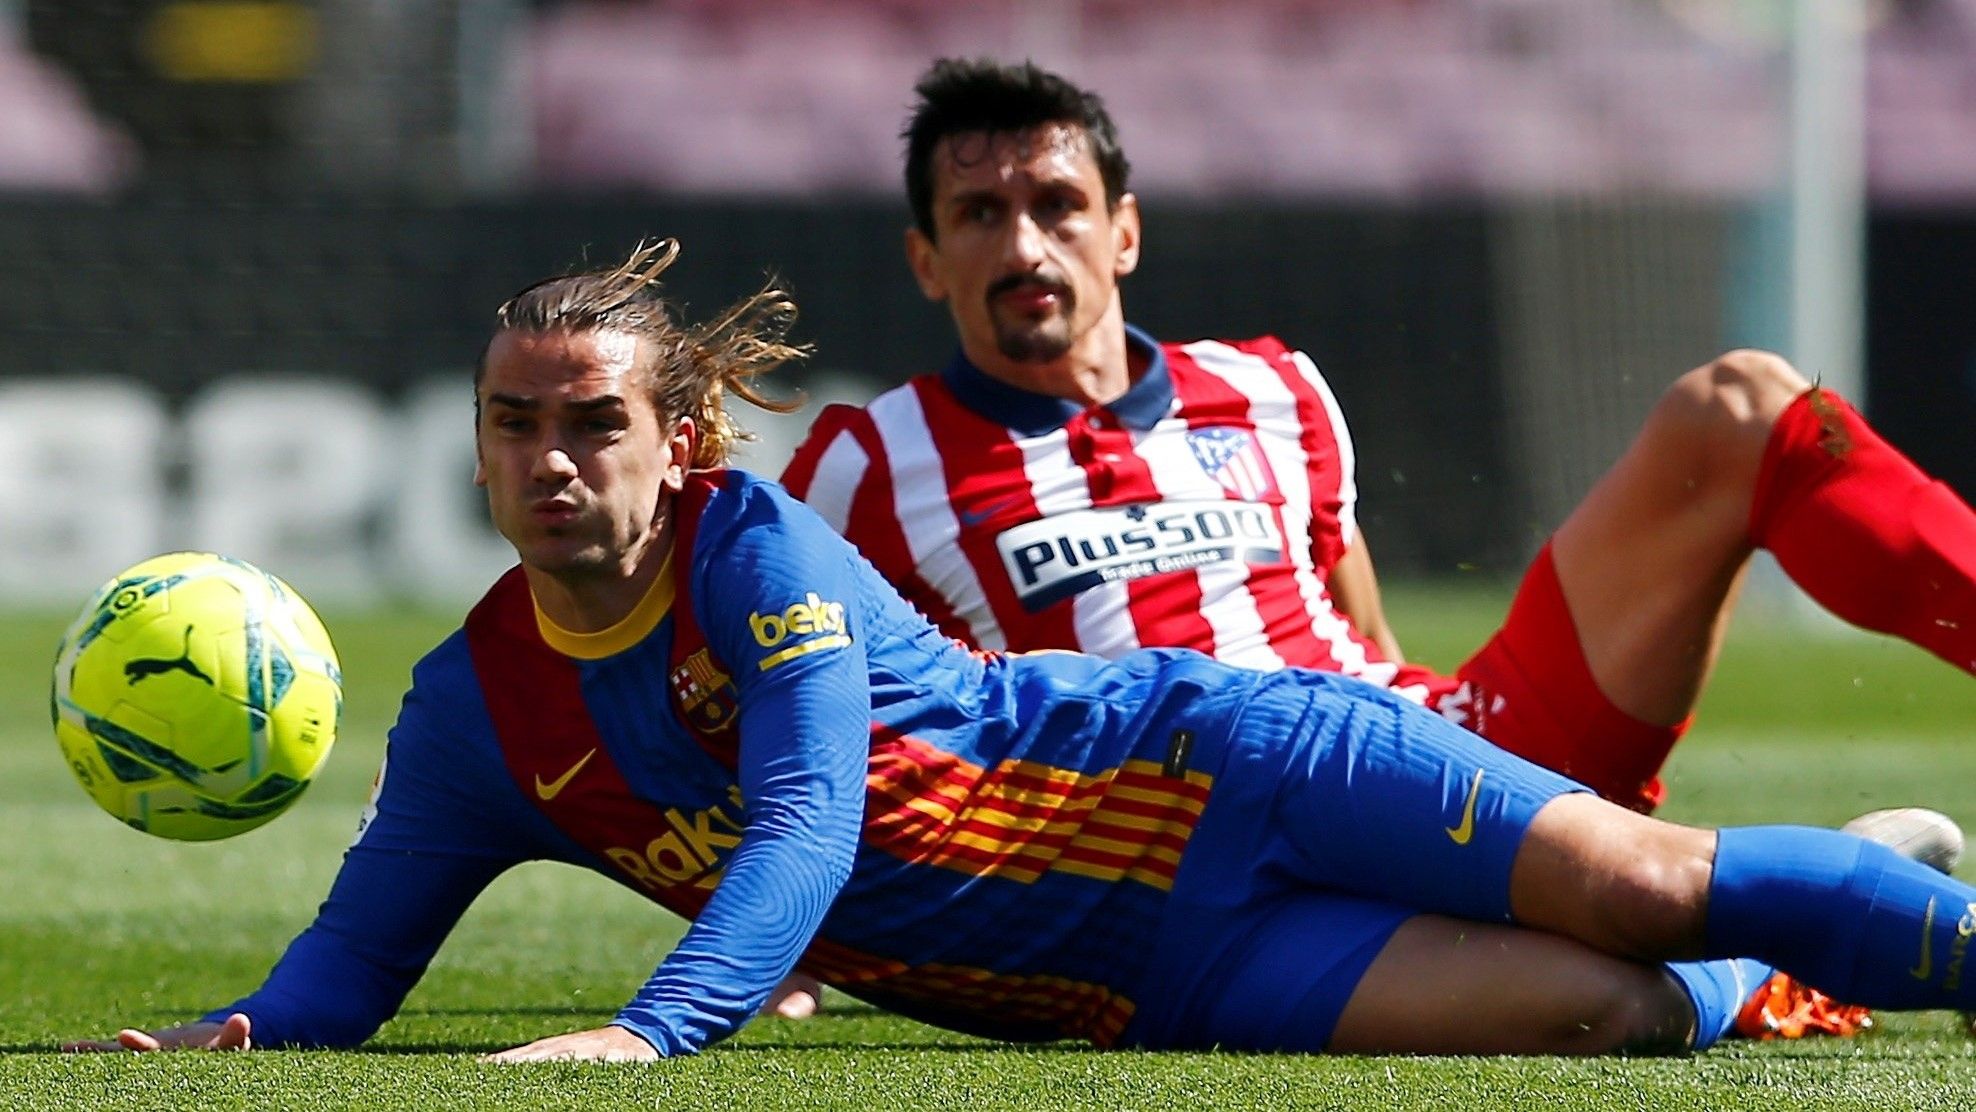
(1718, 990)
(1847, 916)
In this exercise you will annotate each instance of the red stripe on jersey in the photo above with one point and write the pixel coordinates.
(1111, 1021)
(1074, 1008)
(1278, 600)
(552, 750)
(841, 965)
(1165, 609)
(835, 420)
(1019, 820)
(972, 461)
(1322, 451)
(874, 521)
(708, 715)
(982, 468)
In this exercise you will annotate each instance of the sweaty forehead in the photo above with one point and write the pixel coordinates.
(563, 363)
(562, 352)
(982, 159)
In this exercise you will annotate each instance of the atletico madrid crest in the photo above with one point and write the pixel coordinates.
(1232, 458)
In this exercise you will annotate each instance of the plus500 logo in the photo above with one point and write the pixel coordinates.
(1059, 556)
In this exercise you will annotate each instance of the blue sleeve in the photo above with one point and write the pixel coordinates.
(773, 595)
(431, 840)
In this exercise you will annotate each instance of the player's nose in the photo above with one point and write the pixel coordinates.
(1027, 245)
(552, 462)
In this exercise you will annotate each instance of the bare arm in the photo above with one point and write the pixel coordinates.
(1354, 587)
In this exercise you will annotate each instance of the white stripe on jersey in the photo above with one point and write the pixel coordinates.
(839, 473)
(1101, 615)
(926, 517)
(1226, 605)
(1273, 409)
(1347, 455)
(1098, 552)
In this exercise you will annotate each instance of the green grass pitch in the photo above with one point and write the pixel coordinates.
(101, 926)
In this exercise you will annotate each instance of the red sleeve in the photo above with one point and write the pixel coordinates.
(835, 420)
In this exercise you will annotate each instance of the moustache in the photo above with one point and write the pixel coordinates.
(1014, 282)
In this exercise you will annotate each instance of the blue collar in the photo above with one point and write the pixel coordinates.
(1142, 405)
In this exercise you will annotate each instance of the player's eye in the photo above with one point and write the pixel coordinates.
(1056, 206)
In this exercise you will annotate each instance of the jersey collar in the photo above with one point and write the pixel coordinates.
(631, 629)
(1031, 414)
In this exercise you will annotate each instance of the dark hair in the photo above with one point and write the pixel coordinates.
(958, 96)
(687, 368)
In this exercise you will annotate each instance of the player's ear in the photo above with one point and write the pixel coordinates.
(479, 458)
(1125, 236)
(683, 442)
(922, 255)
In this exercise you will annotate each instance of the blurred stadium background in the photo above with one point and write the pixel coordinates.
(248, 248)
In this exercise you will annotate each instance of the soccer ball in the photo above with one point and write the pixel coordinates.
(195, 696)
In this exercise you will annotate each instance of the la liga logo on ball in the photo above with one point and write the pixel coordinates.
(196, 696)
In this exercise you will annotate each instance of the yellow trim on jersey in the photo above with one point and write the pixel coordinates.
(834, 641)
(633, 628)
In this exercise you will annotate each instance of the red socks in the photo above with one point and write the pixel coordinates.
(1861, 529)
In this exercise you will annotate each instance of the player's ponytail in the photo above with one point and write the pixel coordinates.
(727, 353)
(687, 369)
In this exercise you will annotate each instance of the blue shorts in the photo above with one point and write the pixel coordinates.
(1340, 811)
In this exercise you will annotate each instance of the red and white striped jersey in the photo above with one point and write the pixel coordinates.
(1204, 508)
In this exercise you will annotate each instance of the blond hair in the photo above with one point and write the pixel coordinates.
(687, 369)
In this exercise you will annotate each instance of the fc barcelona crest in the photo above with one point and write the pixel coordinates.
(1232, 458)
(704, 693)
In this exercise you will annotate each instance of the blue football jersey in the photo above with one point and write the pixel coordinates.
(776, 745)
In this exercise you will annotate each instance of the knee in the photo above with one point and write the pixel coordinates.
(1632, 1008)
(1622, 883)
(1654, 905)
(1733, 399)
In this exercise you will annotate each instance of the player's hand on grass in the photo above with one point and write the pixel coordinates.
(799, 996)
(236, 1033)
(604, 1044)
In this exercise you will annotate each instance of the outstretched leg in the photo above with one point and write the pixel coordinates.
(1376, 798)
(1452, 986)
(1865, 532)
(1854, 918)
(1650, 560)
(1740, 453)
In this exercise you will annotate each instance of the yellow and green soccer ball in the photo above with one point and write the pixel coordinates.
(195, 696)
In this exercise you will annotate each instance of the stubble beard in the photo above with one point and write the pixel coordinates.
(1034, 342)
(576, 549)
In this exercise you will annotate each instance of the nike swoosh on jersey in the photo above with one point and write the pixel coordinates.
(1460, 835)
(1927, 963)
(553, 788)
(976, 517)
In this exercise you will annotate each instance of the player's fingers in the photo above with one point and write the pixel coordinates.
(90, 1046)
(799, 996)
(522, 1054)
(797, 1005)
(558, 1049)
(130, 1038)
(235, 1034)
